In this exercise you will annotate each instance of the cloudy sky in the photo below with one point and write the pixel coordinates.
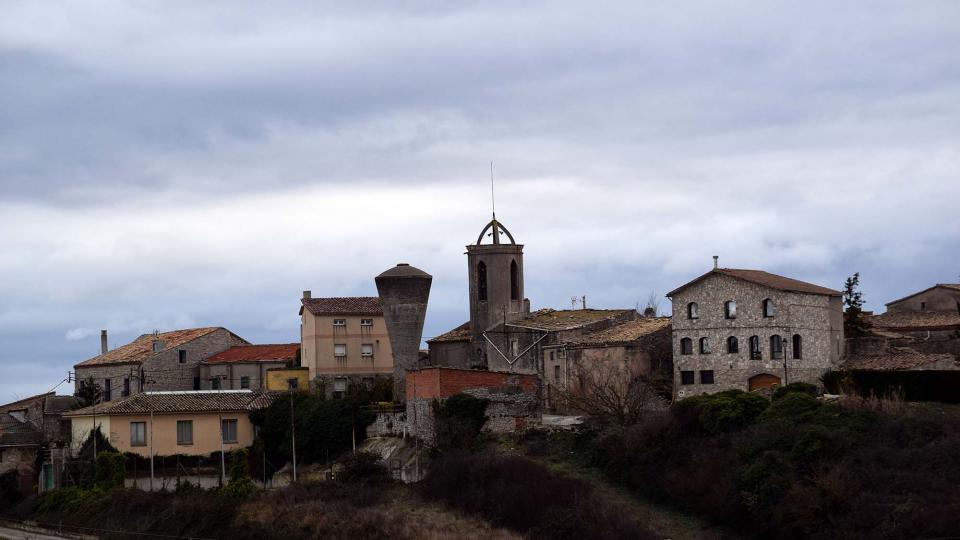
(167, 165)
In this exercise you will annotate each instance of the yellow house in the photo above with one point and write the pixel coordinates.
(169, 423)
(285, 379)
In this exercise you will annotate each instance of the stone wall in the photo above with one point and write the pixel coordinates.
(818, 319)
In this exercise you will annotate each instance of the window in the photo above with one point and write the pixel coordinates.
(797, 347)
(755, 348)
(769, 310)
(182, 356)
(776, 347)
(730, 309)
(293, 384)
(923, 306)
(339, 388)
(126, 387)
(706, 376)
(366, 323)
(482, 282)
(184, 432)
(340, 350)
(196, 383)
(215, 383)
(366, 350)
(340, 323)
(106, 390)
(551, 356)
(514, 281)
(244, 382)
(686, 346)
(686, 377)
(733, 346)
(704, 345)
(138, 433)
(229, 431)
(556, 373)
(514, 347)
(693, 311)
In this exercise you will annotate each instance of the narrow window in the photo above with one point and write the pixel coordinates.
(138, 433)
(733, 346)
(686, 346)
(184, 432)
(126, 386)
(706, 376)
(514, 281)
(229, 431)
(730, 309)
(686, 377)
(797, 347)
(366, 350)
(755, 348)
(769, 310)
(215, 383)
(693, 311)
(182, 356)
(107, 390)
(556, 373)
(293, 384)
(244, 382)
(704, 345)
(196, 383)
(482, 282)
(776, 347)
(551, 356)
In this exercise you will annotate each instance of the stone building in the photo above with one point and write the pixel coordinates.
(344, 340)
(158, 361)
(33, 428)
(927, 321)
(245, 367)
(749, 329)
(404, 292)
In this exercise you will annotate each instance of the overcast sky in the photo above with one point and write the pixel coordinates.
(167, 165)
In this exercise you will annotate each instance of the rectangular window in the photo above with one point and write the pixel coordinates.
(366, 323)
(340, 350)
(340, 323)
(293, 384)
(244, 382)
(184, 432)
(551, 356)
(706, 376)
(182, 356)
(215, 383)
(686, 377)
(126, 386)
(106, 390)
(556, 373)
(339, 388)
(196, 383)
(229, 429)
(366, 350)
(138, 433)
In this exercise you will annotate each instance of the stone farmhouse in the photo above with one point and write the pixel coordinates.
(32, 430)
(927, 321)
(748, 329)
(158, 361)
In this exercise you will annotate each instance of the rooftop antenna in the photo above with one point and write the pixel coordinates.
(493, 203)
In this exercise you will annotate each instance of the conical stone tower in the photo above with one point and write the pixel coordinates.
(404, 291)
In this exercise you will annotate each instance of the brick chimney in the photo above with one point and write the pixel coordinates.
(103, 342)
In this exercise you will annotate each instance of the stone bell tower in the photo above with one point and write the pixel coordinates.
(495, 271)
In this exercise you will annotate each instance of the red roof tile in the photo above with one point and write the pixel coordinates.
(142, 347)
(346, 305)
(256, 353)
(766, 279)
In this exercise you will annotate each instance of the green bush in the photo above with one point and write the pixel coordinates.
(722, 412)
(363, 467)
(794, 407)
(802, 387)
(240, 485)
(111, 470)
(458, 421)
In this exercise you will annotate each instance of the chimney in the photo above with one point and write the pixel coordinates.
(715, 263)
(306, 295)
(103, 342)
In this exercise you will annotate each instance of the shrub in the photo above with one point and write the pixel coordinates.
(794, 407)
(111, 470)
(240, 485)
(363, 467)
(458, 421)
(721, 412)
(802, 387)
(10, 488)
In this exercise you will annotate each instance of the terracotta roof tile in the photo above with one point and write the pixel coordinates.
(766, 279)
(187, 401)
(567, 319)
(900, 358)
(916, 320)
(256, 353)
(346, 305)
(460, 333)
(142, 348)
(626, 332)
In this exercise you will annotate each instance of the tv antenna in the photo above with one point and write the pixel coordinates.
(493, 199)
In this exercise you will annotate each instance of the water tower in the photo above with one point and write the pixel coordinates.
(404, 291)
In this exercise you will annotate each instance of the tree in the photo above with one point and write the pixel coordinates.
(88, 391)
(652, 307)
(614, 391)
(854, 324)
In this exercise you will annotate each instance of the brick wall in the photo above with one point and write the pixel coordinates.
(444, 382)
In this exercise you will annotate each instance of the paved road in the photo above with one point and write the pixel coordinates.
(17, 534)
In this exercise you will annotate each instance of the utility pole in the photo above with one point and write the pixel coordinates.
(151, 450)
(293, 437)
(223, 460)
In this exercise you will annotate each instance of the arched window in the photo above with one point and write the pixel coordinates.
(693, 311)
(482, 282)
(776, 347)
(704, 345)
(755, 348)
(686, 346)
(797, 347)
(733, 346)
(730, 309)
(769, 310)
(514, 281)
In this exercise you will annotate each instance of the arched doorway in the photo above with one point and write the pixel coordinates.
(763, 380)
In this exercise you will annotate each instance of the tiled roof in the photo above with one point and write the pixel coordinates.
(566, 319)
(460, 333)
(917, 320)
(60, 404)
(900, 358)
(186, 401)
(256, 353)
(766, 279)
(346, 305)
(625, 332)
(25, 402)
(142, 348)
(951, 286)
(14, 432)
